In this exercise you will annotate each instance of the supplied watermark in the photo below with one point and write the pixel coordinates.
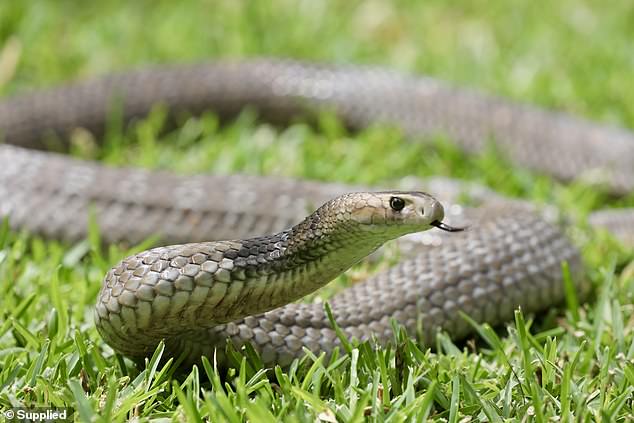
(39, 414)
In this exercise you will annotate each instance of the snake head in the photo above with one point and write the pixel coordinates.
(396, 213)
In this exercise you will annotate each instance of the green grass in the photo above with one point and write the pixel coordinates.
(577, 363)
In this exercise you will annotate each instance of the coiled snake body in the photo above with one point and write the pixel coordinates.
(195, 296)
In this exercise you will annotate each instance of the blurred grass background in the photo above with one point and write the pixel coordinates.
(575, 56)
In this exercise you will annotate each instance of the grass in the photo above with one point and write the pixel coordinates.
(575, 364)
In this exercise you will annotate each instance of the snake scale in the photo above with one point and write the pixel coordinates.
(198, 293)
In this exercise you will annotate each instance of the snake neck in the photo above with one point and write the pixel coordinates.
(318, 249)
(344, 244)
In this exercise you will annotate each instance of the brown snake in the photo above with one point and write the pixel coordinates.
(195, 296)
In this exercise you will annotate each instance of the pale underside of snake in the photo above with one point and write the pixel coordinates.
(196, 296)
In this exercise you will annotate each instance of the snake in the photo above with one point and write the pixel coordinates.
(241, 250)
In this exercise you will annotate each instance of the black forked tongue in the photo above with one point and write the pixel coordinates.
(445, 227)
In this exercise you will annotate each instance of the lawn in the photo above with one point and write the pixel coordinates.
(576, 56)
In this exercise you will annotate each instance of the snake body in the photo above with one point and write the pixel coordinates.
(195, 296)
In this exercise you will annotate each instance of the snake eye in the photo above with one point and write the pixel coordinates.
(397, 203)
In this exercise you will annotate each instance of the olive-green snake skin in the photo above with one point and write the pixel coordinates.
(196, 296)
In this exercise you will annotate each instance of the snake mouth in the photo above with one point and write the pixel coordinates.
(443, 226)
